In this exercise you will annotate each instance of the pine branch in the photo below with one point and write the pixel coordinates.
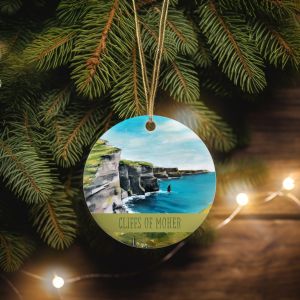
(71, 12)
(202, 57)
(26, 125)
(236, 54)
(23, 121)
(279, 47)
(100, 49)
(128, 95)
(149, 31)
(209, 126)
(55, 103)
(270, 8)
(181, 80)
(70, 135)
(25, 173)
(179, 30)
(52, 49)
(18, 82)
(55, 220)
(14, 249)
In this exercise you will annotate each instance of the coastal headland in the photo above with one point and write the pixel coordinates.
(108, 180)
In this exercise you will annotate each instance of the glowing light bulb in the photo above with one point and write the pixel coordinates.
(242, 199)
(288, 183)
(58, 282)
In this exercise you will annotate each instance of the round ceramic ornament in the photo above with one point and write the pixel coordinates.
(149, 189)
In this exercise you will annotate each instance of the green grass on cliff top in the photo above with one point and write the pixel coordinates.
(99, 150)
(132, 163)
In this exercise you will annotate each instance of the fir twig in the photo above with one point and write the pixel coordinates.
(236, 53)
(55, 220)
(180, 79)
(25, 173)
(14, 249)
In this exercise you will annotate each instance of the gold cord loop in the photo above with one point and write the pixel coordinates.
(150, 91)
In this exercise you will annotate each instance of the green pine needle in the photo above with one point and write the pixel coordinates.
(55, 220)
(52, 48)
(180, 79)
(29, 129)
(25, 173)
(269, 8)
(149, 31)
(14, 249)
(100, 48)
(202, 57)
(279, 46)
(128, 95)
(236, 54)
(179, 30)
(72, 133)
(71, 12)
(55, 103)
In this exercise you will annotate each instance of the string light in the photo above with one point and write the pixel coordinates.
(242, 199)
(288, 184)
(58, 282)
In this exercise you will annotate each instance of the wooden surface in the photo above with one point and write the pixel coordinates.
(257, 256)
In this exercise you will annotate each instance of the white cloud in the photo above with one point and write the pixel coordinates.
(171, 126)
(170, 145)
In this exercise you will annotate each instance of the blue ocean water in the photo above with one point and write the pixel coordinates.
(189, 194)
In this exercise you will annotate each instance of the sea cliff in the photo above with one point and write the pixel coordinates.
(137, 178)
(104, 189)
(108, 179)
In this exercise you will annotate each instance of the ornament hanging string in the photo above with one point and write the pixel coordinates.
(150, 91)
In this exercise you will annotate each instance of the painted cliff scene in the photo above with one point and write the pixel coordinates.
(132, 170)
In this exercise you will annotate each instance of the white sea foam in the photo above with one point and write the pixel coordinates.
(130, 198)
(126, 201)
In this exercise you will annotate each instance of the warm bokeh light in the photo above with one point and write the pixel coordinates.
(288, 184)
(58, 282)
(242, 199)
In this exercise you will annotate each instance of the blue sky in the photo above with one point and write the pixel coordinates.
(171, 144)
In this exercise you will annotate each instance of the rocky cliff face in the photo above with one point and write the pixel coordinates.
(174, 172)
(105, 187)
(137, 178)
(192, 172)
(166, 172)
(109, 180)
(115, 180)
